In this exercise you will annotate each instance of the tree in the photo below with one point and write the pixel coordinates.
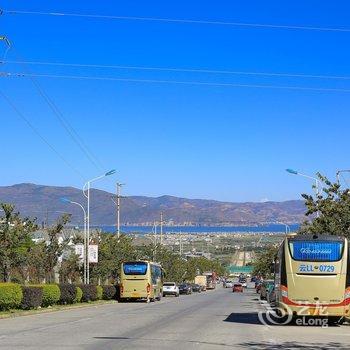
(112, 252)
(333, 206)
(54, 248)
(15, 241)
(263, 262)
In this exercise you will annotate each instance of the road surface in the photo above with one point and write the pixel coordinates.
(216, 319)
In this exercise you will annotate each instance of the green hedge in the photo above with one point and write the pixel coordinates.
(89, 292)
(109, 292)
(68, 293)
(11, 296)
(51, 294)
(79, 295)
(32, 297)
(99, 293)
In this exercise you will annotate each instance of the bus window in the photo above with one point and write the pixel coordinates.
(135, 268)
(316, 251)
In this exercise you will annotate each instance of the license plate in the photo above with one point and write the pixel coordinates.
(135, 294)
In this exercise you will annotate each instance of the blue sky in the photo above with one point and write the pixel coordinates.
(225, 143)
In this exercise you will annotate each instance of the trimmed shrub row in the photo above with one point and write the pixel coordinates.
(14, 296)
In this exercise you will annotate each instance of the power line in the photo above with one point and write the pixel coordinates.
(63, 121)
(184, 70)
(155, 81)
(32, 127)
(177, 20)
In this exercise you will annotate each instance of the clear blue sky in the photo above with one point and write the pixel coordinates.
(225, 143)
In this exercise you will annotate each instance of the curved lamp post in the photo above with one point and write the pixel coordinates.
(86, 192)
(317, 182)
(66, 200)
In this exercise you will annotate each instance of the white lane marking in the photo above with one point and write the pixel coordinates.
(63, 324)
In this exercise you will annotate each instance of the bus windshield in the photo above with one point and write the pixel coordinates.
(135, 268)
(316, 251)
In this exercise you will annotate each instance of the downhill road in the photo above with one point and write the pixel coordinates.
(216, 319)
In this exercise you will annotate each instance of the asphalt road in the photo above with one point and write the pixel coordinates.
(216, 319)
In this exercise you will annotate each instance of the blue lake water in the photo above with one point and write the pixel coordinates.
(273, 228)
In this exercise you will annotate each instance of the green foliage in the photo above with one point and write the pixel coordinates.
(15, 241)
(99, 292)
(112, 251)
(53, 249)
(79, 295)
(263, 263)
(89, 292)
(51, 294)
(109, 292)
(32, 297)
(333, 206)
(10, 296)
(68, 293)
(70, 269)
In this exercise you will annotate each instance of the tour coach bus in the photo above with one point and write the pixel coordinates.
(141, 280)
(312, 276)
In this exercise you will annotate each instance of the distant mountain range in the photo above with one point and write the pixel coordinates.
(43, 202)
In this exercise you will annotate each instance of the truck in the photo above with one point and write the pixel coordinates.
(202, 281)
(211, 279)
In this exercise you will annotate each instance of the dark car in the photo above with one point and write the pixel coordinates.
(185, 288)
(266, 287)
(237, 287)
(196, 288)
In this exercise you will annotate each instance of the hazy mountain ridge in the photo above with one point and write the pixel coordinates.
(44, 203)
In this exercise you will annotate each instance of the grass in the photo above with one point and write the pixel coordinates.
(17, 312)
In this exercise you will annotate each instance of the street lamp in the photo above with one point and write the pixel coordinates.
(317, 190)
(86, 192)
(66, 200)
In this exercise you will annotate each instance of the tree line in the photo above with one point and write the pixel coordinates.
(26, 260)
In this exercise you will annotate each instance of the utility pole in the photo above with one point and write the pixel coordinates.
(161, 228)
(119, 186)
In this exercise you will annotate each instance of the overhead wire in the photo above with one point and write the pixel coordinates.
(183, 82)
(184, 70)
(178, 20)
(62, 120)
(36, 131)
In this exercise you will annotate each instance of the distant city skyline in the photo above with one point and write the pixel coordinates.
(227, 140)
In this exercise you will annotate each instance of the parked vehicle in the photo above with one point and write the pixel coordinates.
(237, 288)
(266, 288)
(211, 279)
(228, 284)
(196, 288)
(202, 281)
(185, 288)
(141, 280)
(170, 288)
(258, 286)
(271, 296)
(313, 269)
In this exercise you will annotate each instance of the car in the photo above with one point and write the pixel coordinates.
(170, 288)
(237, 287)
(265, 288)
(271, 296)
(258, 286)
(196, 288)
(185, 288)
(244, 283)
(228, 284)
